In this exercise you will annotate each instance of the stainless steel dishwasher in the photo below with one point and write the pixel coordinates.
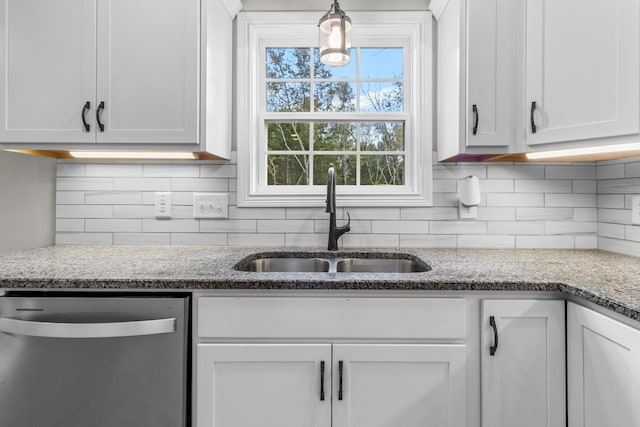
(78, 360)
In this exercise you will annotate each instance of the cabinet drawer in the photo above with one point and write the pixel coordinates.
(286, 317)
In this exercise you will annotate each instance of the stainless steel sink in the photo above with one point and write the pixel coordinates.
(380, 265)
(301, 262)
(288, 265)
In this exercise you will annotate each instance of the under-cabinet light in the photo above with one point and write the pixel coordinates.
(155, 155)
(601, 149)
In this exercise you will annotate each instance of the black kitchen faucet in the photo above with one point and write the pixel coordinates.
(334, 231)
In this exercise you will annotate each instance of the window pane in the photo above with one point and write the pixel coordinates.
(289, 63)
(335, 96)
(288, 136)
(288, 97)
(376, 63)
(287, 170)
(336, 136)
(345, 167)
(326, 72)
(379, 97)
(382, 136)
(382, 170)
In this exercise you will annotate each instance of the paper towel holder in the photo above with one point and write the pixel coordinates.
(469, 197)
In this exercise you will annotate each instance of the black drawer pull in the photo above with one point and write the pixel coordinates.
(86, 107)
(98, 114)
(533, 121)
(494, 347)
(475, 123)
(322, 380)
(340, 369)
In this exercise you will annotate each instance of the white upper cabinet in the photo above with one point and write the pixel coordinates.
(582, 69)
(48, 57)
(100, 71)
(148, 70)
(477, 78)
(520, 76)
(491, 73)
(107, 74)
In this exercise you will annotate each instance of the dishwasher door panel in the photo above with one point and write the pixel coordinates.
(135, 381)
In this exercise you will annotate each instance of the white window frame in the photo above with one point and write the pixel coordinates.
(258, 30)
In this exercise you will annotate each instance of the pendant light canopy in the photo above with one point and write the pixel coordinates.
(335, 37)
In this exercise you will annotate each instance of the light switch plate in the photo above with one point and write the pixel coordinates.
(211, 205)
(635, 210)
(162, 206)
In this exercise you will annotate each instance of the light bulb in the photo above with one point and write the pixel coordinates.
(335, 39)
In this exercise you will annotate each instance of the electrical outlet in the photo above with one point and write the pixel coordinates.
(211, 205)
(468, 212)
(162, 205)
(635, 210)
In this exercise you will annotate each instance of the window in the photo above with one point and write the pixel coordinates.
(369, 119)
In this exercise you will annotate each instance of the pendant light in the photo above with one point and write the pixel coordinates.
(335, 37)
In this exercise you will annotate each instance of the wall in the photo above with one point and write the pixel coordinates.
(523, 206)
(618, 180)
(27, 201)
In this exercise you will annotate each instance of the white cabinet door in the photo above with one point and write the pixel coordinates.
(267, 385)
(491, 72)
(603, 370)
(477, 76)
(582, 69)
(523, 381)
(148, 71)
(47, 71)
(399, 385)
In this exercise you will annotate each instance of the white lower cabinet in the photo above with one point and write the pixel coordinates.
(399, 385)
(523, 363)
(603, 359)
(249, 385)
(301, 385)
(412, 362)
(256, 365)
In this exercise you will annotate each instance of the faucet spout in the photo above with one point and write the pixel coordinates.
(331, 190)
(334, 231)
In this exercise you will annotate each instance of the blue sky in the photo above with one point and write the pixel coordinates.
(374, 63)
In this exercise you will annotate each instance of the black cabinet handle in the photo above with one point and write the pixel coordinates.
(322, 380)
(475, 123)
(494, 347)
(86, 107)
(533, 121)
(98, 114)
(340, 369)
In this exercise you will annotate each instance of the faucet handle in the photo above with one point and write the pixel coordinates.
(345, 228)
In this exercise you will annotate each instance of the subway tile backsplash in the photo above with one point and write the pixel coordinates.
(580, 206)
(617, 182)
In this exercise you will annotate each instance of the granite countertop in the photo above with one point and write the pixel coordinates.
(607, 279)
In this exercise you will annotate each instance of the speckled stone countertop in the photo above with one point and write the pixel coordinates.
(607, 279)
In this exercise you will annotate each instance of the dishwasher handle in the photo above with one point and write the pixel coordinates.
(87, 330)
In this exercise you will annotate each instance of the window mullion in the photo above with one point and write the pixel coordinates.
(312, 107)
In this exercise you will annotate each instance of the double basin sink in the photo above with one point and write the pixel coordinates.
(308, 262)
